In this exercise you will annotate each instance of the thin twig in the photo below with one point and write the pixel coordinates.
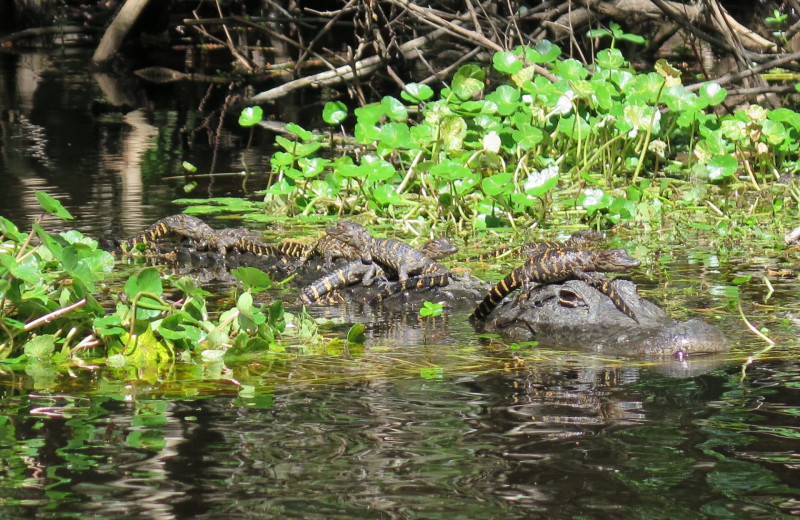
(47, 318)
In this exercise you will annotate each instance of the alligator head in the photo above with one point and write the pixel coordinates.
(613, 260)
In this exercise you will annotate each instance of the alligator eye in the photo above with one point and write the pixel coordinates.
(569, 298)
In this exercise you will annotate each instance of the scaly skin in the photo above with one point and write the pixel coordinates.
(223, 240)
(389, 254)
(327, 247)
(558, 265)
(326, 289)
(186, 225)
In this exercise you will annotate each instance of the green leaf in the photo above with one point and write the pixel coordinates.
(356, 334)
(396, 135)
(722, 166)
(10, 231)
(594, 199)
(189, 167)
(110, 325)
(712, 94)
(394, 109)
(539, 183)
(334, 112)
(297, 149)
(570, 69)
(739, 280)
(431, 309)
(497, 184)
(299, 131)
(386, 194)
(251, 116)
(453, 131)
(147, 280)
(468, 81)
(40, 347)
(252, 279)
(610, 59)
(431, 373)
(416, 92)
(543, 52)
(507, 99)
(506, 62)
(52, 206)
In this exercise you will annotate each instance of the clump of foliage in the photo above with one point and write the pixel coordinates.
(50, 312)
(606, 141)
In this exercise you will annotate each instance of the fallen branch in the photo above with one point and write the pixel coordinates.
(344, 73)
(46, 31)
(116, 32)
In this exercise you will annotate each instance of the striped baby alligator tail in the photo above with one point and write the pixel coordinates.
(496, 294)
(426, 281)
(325, 290)
(151, 234)
(257, 247)
(294, 249)
(605, 287)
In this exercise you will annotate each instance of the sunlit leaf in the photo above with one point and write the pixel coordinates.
(334, 112)
(251, 116)
(416, 92)
(52, 206)
(506, 62)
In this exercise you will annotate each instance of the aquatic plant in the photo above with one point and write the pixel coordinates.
(552, 134)
(51, 311)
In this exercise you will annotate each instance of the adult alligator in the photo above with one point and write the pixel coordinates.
(575, 314)
(556, 264)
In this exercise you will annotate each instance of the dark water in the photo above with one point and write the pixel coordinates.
(423, 421)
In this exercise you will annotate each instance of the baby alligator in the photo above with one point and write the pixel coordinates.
(392, 256)
(557, 265)
(326, 289)
(222, 240)
(326, 246)
(577, 240)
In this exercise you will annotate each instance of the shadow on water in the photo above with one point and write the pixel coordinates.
(422, 421)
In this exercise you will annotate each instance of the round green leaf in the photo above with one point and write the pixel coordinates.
(40, 347)
(251, 116)
(394, 109)
(722, 166)
(386, 194)
(468, 81)
(334, 112)
(416, 92)
(506, 62)
(497, 184)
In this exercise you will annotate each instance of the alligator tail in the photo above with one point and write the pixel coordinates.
(294, 249)
(604, 286)
(496, 294)
(257, 247)
(321, 291)
(151, 234)
(427, 281)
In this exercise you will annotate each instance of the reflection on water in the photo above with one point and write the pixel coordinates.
(424, 421)
(99, 144)
(562, 441)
